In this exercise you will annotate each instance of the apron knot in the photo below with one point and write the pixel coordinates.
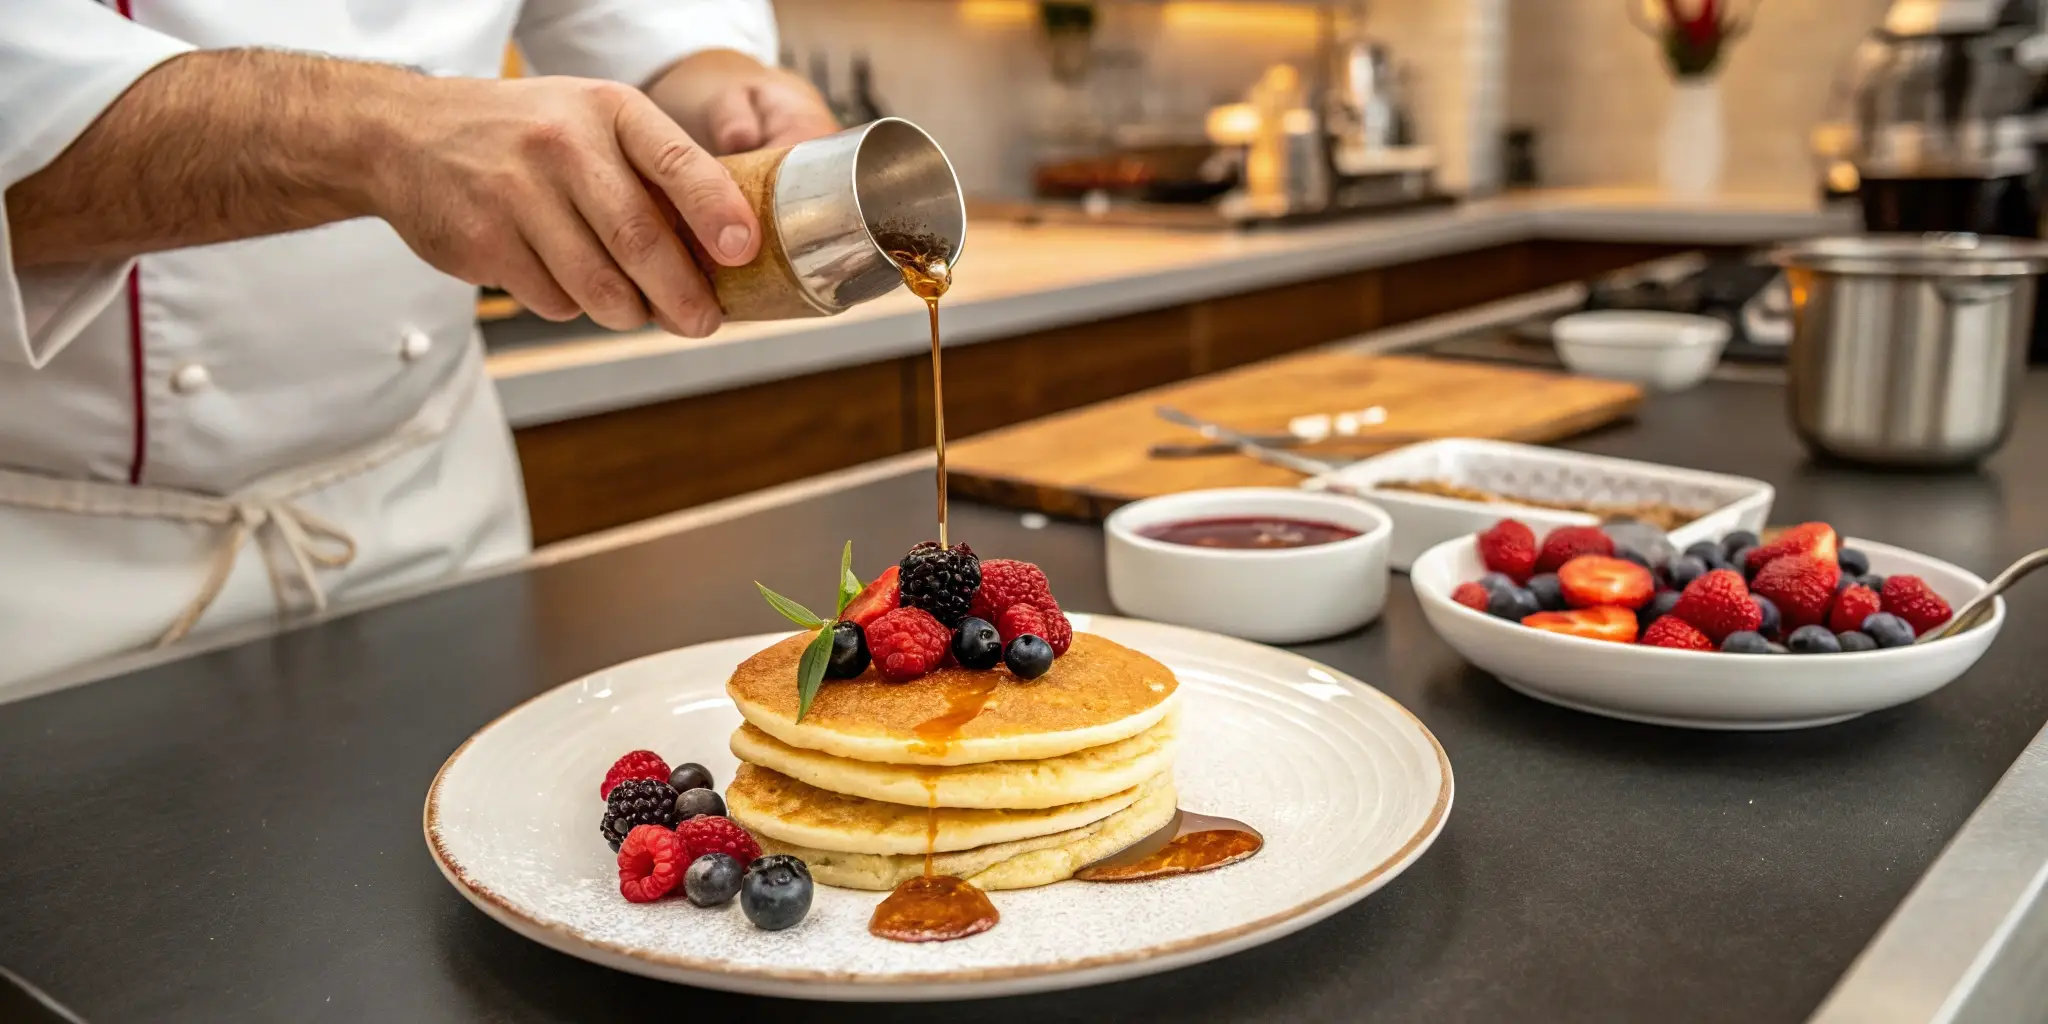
(295, 544)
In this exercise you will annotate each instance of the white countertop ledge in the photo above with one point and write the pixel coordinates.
(1014, 279)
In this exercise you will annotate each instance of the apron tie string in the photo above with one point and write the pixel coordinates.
(308, 543)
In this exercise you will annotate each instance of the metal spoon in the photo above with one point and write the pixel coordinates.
(1976, 610)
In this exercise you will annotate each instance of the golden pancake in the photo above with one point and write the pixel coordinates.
(1069, 778)
(1014, 865)
(772, 804)
(1099, 692)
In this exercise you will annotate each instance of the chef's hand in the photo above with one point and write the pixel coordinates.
(556, 190)
(733, 102)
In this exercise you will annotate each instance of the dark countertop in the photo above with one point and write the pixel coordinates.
(236, 836)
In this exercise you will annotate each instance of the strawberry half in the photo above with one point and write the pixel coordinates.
(1609, 623)
(1677, 634)
(1802, 586)
(1910, 598)
(1589, 581)
(880, 596)
(1718, 604)
(1568, 542)
(1817, 540)
(1508, 547)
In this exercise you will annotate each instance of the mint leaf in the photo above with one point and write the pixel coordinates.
(849, 584)
(790, 610)
(810, 671)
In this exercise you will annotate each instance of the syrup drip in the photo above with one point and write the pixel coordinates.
(1189, 843)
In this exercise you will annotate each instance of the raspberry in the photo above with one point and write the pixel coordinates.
(1802, 586)
(1471, 595)
(1019, 620)
(1060, 632)
(940, 580)
(1006, 582)
(637, 802)
(651, 862)
(1718, 604)
(1910, 598)
(1855, 603)
(1568, 542)
(640, 764)
(714, 834)
(1674, 632)
(907, 643)
(1509, 547)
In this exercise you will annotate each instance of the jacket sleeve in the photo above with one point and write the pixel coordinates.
(62, 63)
(632, 41)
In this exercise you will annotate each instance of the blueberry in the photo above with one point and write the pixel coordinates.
(1846, 582)
(1770, 610)
(691, 803)
(1746, 642)
(1632, 555)
(1028, 657)
(849, 652)
(1853, 642)
(1778, 648)
(1736, 542)
(712, 879)
(1513, 604)
(1739, 561)
(1495, 580)
(1888, 630)
(775, 893)
(1686, 570)
(1853, 562)
(1813, 640)
(1874, 582)
(1642, 538)
(976, 644)
(1549, 592)
(1707, 551)
(690, 776)
(1658, 607)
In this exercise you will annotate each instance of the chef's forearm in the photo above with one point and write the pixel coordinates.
(208, 147)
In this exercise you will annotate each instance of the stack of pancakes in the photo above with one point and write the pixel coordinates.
(1005, 783)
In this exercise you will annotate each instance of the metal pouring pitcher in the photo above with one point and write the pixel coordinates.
(828, 207)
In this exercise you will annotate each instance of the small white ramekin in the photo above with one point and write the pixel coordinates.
(1667, 351)
(1275, 596)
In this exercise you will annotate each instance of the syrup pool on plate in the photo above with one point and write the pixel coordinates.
(1249, 533)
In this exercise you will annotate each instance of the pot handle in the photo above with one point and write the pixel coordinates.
(1972, 292)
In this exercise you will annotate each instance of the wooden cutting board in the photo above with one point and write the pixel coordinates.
(1084, 463)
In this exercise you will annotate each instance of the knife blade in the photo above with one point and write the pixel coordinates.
(1271, 456)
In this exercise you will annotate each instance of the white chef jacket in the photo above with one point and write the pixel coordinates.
(205, 437)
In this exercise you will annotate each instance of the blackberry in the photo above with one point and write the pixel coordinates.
(637, 802)
(941, 581)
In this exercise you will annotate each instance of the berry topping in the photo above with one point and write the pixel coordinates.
(1645, 539)
(1802, 586)
(879, 597)
(637, 802)
(690, 776)
(712, 879)
(1508, 547)
(1512, 603)
(1852, 642)
(1471, 595)
(1853, 562)
(1710, 553)
(1656, 608)
(976, 644)
(1813, 640)
(1568, 542)
(1852, 605)
(1018, 620)
(1738, 541)
(640, 764)
(1769, 610)
(1059, 632)
(1747, 643)
(1685, 569)
(1813, 539)
(1739, 561)
(1593, 580)
(1493, 581)
(695, 803)
(907, 643)
(1610, 623)
(716, 834)
(650, 863)
(939, 580)
(775, 893)
(1674, 632)
(850, 655)
(1910, 598)
(1006, 582)
(1889, 630)
(1028, 657)
(1549, 592)
(1718, 604)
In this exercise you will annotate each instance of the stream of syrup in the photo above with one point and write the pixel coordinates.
(927, 275)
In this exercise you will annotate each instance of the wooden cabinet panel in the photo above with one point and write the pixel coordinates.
(1239, 329)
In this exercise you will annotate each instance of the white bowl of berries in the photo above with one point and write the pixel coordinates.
(1799, 629)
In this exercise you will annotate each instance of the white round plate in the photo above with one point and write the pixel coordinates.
(1702, 689)
(1347, 786)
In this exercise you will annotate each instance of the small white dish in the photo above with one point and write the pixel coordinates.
(1666, 351)
(1422, 521)
(1703, 689)
(1274, 596)
(1347, 787)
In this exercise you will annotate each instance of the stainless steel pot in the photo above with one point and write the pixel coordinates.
(1907, 350)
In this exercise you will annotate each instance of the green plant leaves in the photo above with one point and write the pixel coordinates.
(849, 584)
(789, 609)
(810, 671)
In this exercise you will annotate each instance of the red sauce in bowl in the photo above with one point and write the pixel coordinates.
(1249, 533)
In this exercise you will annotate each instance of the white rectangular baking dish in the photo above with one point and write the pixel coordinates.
(1421, 521)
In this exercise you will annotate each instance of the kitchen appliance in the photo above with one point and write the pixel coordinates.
(1907, 350)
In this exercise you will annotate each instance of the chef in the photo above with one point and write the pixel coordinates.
(240, 374)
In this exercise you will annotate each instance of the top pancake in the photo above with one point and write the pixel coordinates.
(1098, 692)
